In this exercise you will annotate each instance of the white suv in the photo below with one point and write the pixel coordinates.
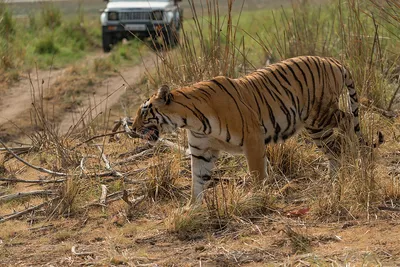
(141, 19)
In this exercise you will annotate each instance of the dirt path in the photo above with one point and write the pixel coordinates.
(107, 93)
(18, 98)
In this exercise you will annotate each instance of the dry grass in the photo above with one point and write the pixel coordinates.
(239, 222)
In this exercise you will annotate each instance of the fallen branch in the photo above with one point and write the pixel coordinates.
(103, 195)
(31, 165)
(41, 228)
(132, 203)
(388, 208)
(17, 149)
(386, 113)
(175, 146)
(20, 213)
(124, 122)
(25, 194)
(109, 198)
(73, 250)
(108, 165)
(101, 174)
(32, 181)
(135, 151)
(82, 165)
(141, 156)
(97, 136)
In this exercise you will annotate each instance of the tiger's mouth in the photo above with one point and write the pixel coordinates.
(150, 133)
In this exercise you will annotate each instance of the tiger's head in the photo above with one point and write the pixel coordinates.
(152, 116)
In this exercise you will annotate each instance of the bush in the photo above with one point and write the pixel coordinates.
(74, 33)
(46, 46)
(7, 25)
(7, 30)
(51, 15)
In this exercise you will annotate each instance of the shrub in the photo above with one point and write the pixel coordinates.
(7, 24)
(46, 46)
(51, 15)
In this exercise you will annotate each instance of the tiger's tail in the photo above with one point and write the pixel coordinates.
(354, 103)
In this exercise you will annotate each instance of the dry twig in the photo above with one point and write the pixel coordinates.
(132, 203)
(31, 165)
(17, 149)
(20, 213)
(135, 151)
(103, 195)
(108, 164)
(97, 136)
(144, 154)
(109, 198)
(388, 208)
(25, 194)
(14, 180)
(73, 250)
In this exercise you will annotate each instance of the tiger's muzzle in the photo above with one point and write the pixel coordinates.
(150, 133)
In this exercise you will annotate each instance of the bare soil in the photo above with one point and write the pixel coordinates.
(16, 102)
(107, 93)
(18, 98)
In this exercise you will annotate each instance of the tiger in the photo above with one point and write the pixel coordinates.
(243, 115)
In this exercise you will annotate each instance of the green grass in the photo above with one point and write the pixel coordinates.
(45, 38)
(48, 38)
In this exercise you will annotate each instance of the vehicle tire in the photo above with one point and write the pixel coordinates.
(107, 42)
(175, 38)
(171, 37)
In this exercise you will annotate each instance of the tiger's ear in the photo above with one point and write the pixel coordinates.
(164, 94)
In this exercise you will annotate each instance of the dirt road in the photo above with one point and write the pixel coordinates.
(107, 93)
(17, 99)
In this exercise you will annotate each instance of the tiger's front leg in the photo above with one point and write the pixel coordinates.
(202, 163)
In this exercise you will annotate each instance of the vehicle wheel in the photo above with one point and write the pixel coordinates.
(171, 37)
(175, 38)
(107, 42)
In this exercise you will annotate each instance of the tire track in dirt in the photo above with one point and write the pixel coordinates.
(106, 94)
(17, 100)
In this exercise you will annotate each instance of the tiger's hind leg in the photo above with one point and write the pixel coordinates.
(254, 151)
(329, 141)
